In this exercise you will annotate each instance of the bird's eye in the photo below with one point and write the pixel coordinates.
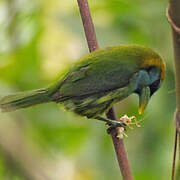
(155, 86)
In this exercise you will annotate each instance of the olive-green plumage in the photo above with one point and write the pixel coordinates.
(98, 80)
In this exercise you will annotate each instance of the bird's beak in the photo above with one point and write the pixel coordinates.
(144, 97)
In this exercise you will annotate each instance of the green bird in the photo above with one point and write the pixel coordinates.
(96, 81)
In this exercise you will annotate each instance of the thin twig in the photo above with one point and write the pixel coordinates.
(173, 25)
(174, 155)
(93, 45)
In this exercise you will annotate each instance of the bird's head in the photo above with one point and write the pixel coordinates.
(149, 80)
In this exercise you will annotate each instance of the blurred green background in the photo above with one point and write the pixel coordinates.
(38, 39)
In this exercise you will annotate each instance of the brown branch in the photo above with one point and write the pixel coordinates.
(88, 25)
(173, 25)
(93, 45)
(120, 150)
(173, 15)
(174, 155)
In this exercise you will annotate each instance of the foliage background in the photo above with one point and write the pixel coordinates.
(38, 39)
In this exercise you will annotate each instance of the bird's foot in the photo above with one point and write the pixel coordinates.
(111, 123)
(128, 122)
(120, 125)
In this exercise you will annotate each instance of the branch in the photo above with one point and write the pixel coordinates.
(173, 15)
(88, 25)
(93, 45)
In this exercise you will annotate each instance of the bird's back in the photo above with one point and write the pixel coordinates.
(107, 69)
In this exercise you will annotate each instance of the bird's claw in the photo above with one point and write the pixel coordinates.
(120, 126)
(115, 124)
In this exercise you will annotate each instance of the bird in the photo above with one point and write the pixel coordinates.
(94, 83)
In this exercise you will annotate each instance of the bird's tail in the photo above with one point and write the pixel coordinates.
(25, 99)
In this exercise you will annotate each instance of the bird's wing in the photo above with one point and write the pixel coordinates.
(95, 77)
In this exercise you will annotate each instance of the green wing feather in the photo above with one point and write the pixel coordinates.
(94, 104)
(103, 70)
